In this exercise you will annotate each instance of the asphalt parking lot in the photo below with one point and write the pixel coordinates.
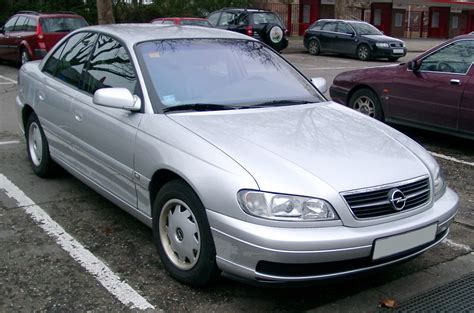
(123, 271)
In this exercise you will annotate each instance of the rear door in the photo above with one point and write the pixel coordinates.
(62, 75)
(7, 40)
(327, 36)
(105, 137)
(432, 95)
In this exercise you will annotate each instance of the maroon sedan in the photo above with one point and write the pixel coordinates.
(434, 91)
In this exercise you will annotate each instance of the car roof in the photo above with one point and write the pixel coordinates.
(135, 33)
(244, 10)
(54, 14)
(339, 20)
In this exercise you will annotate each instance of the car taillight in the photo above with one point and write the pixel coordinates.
(249, 30)
(39, 31)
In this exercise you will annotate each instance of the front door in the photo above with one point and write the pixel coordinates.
(104, 138)
(432, 94)
(345, 41)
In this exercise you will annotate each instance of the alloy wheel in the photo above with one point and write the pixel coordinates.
(365, 105)
(35, 144)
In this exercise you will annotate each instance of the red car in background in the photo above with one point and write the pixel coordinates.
(192, 21)
(434, 91)
(29, 35)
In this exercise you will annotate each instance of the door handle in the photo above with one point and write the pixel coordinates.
(78, 116)
(456, 82)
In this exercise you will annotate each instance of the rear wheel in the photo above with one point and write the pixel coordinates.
(363, 52)
(38, 148)
(24, 56)
(366, 102)
(183, 236)
(313, 47)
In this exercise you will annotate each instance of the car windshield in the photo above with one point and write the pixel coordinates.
(266, 17)
(203, 23)
(61, 24)
(221, 72)
(365, 29)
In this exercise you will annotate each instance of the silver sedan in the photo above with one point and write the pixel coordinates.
(235, 160)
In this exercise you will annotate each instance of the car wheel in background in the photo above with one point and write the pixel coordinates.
(366, 102)
(313, 47)
(363, 52)
(38, 148)
(24, 56)
(183, 236)
(274, 36)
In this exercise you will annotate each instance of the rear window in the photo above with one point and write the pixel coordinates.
(62, 24)
(266, 17)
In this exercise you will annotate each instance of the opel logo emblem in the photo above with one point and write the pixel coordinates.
(397, 199)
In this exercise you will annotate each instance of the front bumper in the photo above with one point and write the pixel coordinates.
(339, 95)
(276, 254)
(389, 52)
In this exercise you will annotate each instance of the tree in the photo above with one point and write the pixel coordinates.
(105, 12)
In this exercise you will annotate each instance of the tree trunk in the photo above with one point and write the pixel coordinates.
(340, 10)
(105, 12)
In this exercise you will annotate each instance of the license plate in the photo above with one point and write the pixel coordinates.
(397, 51)
(395, 244)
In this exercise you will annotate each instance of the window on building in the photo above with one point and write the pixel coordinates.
(435, 20)
(455, 22)
(378, 17)
(398, 19)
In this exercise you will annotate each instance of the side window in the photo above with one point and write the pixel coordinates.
(109, 66)
(10, 24)
(227, 19)
(30, 25)
(74, 57)
(455, 58)
(20, 24)
(317, 26)
(344, 28)
(213, 18)
(52, 62)
(329, 27)
(242, 20)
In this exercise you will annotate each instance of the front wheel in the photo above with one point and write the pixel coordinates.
(366, 102)
(183, 236)
(363, 52)
(38, 148)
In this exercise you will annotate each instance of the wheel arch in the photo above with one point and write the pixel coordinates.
(25, 114)
(160, 178)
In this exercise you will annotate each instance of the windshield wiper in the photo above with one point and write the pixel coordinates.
(279, 103)
(198, 107)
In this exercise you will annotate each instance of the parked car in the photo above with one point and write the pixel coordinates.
(434, 91)
(353, 38)
(263, 25)
(192, 21)
(29, 35)
(233, 158)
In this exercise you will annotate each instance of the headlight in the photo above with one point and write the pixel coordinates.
(382, 44)
(285, 207)
(439, 184)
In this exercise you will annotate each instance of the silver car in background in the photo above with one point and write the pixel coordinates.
(235, 160)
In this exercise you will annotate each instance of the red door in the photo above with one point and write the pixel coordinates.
(381, 17)
(438, 22)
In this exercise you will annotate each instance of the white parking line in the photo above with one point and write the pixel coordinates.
(12, 81)
(11, 142)
(457, 246)
(446, 157)
(121, 290)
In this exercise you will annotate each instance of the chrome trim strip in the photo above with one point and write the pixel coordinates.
(380, 187)
(271, 278)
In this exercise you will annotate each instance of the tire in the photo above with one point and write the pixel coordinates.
(393, 59)
(364, 53)
(182, 235)
(24, 56)
(274, 36)
(366, 102)
(313, 47)
(38, 148)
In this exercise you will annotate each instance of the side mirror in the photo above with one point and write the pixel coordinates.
(413, 66)
(320, 83)
(118, 98)
(352, 34)
(2, 30)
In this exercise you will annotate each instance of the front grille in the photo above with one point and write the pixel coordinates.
(396, 45)
(376, 203)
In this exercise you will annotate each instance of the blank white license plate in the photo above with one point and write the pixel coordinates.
(392, 245)
(397, 50)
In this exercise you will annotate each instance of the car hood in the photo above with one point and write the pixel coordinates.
(381, 38)
(289, 149)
